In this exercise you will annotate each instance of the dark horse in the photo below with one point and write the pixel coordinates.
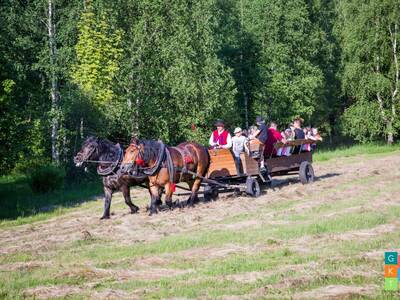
(165, 166)
(108, 156)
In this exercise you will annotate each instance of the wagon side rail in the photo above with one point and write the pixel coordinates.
(299, 142)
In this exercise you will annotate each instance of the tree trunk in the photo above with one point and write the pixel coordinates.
(54, 89)
(393, 37)
(390, 138)
(81, 129)
(245, 98)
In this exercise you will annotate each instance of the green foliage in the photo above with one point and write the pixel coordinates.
(166, 70)
(46, 178)
(171, 73)
(8, 119)
(367, 32)
(362, 121)
(98, 53)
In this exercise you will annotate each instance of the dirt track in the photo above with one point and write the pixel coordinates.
(338, 180)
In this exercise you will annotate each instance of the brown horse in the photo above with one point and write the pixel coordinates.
(165, 166)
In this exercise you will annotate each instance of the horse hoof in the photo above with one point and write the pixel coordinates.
(170, 205)
(153, 211)
(135, 210)
(104, 217)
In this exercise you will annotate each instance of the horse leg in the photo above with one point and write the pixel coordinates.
(168, 195)
(194, 186)
(160, 191)
(107, 202)
(155, 198)
(127, 196)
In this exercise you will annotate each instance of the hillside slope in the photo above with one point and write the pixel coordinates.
(321, 240)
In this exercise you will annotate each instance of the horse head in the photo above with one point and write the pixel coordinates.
(88, 151)
(133, 158)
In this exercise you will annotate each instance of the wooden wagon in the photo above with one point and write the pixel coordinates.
(223, 175)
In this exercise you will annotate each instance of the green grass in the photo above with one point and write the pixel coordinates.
(19, 203)
(354, 150)
(315, 247)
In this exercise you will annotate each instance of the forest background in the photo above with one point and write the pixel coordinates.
(167, 69)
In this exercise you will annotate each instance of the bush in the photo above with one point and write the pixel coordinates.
(46, 178)
(363, 122)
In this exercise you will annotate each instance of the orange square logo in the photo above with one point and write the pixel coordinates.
(391, 271)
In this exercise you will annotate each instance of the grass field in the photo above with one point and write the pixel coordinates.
(324, 240)
(17, 202)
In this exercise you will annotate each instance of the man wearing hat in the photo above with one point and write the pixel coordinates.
(220, 138)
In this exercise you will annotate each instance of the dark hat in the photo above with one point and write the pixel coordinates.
(300, 119)
(219, 122)
(260, 119)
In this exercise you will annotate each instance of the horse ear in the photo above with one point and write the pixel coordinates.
(134, 140)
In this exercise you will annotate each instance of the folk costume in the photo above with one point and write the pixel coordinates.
(220, 139)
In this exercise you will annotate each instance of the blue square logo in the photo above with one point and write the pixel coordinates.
(391, 258)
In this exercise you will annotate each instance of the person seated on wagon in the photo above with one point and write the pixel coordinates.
(288, 135)
(274, 135)
(307, 136)
(298, 133)
(314, 135)
(220, 138)
(238, 146)
(252, 132)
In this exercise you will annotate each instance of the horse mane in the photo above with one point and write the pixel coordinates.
(106, 150)
(151, 149)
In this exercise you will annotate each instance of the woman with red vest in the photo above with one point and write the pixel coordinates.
(220, 138)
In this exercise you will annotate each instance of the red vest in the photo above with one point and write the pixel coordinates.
(221, 139)
(273, 137)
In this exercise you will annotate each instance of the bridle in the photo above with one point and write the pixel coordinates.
(140, 156)
(113, 164)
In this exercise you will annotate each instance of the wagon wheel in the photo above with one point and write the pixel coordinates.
(210, 193)
(306, 172)
(252, 187)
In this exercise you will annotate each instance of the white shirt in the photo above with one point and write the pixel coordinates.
(228, 141)
(238, 143)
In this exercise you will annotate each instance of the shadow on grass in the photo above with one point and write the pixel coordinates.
(17, 200)
(294, 179)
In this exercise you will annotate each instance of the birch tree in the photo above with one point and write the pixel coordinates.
(369, 32)
(54, 88)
